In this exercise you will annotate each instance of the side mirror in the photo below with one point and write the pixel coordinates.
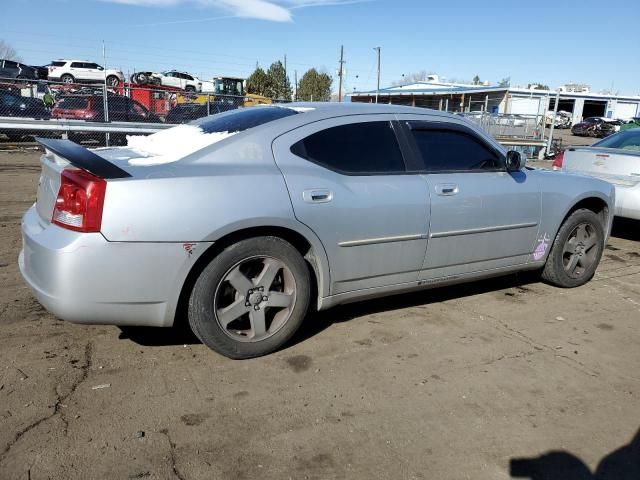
(515, 161)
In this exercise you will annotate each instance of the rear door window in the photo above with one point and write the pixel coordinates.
(367, 148)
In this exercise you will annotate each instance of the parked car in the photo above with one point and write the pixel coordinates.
(244, 219)
(187, 112)
(171, 78)
(615, 159)
(12, 70)
(595, 127)
(91, 108)
(633, 123)
(82, 71)
(12, 105)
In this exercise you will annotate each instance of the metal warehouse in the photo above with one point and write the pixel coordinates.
(522, 101)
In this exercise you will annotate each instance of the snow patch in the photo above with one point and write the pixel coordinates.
(170, 145)
(301, 109)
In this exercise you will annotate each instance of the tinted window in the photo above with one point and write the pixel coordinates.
(58, 64)
(10, 64)
(357, 148)
(627, 140)
(451, 150)
(242, 119)
(77, 65)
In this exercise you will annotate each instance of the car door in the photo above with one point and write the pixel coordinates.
(170, 79)
(348, 182)
(94, 71)
(482, 217)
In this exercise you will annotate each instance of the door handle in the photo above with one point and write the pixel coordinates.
(317, 195)
(447, 189)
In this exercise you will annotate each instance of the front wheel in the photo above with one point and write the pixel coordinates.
(251, 298)
(113, 81)
(576, 251)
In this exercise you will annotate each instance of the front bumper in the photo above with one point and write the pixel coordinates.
(83, 278)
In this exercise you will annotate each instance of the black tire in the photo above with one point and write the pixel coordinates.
(557, 268)
(66, 78)
(189, 88)
(113, 81)
(205, 300)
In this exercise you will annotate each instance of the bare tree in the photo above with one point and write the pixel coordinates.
(7, 52)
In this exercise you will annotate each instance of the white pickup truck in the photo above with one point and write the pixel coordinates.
(615, 159)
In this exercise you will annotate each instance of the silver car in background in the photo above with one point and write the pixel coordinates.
(615, 159)
(246, 219)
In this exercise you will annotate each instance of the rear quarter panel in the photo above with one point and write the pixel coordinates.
(212, 193)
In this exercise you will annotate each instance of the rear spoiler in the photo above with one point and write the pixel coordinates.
(83, 158)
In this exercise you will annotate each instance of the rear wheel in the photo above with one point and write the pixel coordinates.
(190, 88)
(576, 251)
(66, 78)
(251, 298)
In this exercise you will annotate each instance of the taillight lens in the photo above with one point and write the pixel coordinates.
(80, 201)
(557, 163)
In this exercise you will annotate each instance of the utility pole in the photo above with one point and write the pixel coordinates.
(378, 85)
(340, 73)
(284, 87)
(104, 97)
(553, 121)
(295, 78)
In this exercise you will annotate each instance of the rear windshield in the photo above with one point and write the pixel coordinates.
(242, 119)
(73, 103)
(58, 64)
(627, 140)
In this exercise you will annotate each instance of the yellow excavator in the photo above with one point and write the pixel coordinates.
(223, 89)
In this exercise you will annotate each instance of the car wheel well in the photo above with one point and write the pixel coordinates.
(596, 205)
(298, 241)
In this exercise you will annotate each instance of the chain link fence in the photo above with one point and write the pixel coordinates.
(101, 114)
(508, 125)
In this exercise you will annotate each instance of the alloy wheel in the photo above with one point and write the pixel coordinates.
(255, 298)
(580, 250)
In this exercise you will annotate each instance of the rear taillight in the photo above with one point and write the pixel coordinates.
(80, 201)
(557, 163)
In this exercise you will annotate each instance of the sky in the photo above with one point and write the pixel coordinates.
(542, 41)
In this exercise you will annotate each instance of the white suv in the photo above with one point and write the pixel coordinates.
(74, 71)
(172, 78)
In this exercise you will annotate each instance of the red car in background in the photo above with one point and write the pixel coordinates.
(91, 108)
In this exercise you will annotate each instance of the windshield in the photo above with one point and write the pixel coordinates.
(627, 140)
(242, 119)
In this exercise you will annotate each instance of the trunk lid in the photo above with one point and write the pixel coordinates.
(610, 164)
(61, 154)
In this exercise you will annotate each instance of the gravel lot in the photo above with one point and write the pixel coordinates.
(455, 383)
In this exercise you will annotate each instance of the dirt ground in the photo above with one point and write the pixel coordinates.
(500, 377)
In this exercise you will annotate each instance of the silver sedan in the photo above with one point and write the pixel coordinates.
(247, 219)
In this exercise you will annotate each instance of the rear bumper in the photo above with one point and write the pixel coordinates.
(83, 278)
